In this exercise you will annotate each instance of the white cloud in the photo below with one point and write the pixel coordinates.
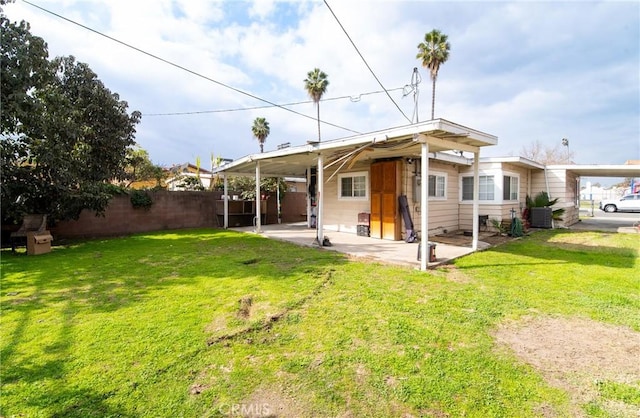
(524, 71)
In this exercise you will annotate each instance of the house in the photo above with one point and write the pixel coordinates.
(369, 173)
(187, 176)
(375, 182)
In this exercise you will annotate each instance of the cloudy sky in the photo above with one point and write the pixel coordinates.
(524, 71)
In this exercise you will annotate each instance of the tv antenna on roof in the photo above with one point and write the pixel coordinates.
(413, 88)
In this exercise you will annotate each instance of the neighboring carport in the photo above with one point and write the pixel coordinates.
(422, 140)
(600, 170)
(565, 183)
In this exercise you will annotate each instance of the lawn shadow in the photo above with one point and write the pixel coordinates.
(106, 275)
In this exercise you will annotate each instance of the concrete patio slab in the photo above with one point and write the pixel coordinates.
(390, 252)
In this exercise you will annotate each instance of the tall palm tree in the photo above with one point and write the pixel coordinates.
(260, 130)
(433, 52)
(316, 85)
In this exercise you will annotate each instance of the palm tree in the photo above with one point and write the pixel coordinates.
(260, 130)
(433, 52)
(316, 85)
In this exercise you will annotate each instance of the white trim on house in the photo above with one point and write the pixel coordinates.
(437, 175)
(511, 175)
(353, 176)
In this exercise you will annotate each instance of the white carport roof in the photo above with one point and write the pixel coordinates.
(440, 134)
(582, 170)
(597, 170)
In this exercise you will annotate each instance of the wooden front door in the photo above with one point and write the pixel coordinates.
(385, 215)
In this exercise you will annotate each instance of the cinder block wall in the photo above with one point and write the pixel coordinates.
(170, 210)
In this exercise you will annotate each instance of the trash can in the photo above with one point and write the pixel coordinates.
(431, 252)
(39, 243)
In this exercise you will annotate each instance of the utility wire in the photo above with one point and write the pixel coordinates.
(239, 109)
(184, 68)
(365, 61)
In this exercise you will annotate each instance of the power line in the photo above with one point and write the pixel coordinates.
(184, 68)
(240, 109)
(365, 61)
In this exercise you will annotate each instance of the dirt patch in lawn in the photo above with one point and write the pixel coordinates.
(462, 239)
(578, 355)
(270, 403)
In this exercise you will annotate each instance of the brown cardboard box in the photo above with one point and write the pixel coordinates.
(39, 243)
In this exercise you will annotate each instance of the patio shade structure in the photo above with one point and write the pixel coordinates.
(422, 140)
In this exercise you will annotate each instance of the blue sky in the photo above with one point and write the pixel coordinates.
(523, 71)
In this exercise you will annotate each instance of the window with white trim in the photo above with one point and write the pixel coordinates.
(510, 187)
(437, 185)
(353, 186)
(486, 189)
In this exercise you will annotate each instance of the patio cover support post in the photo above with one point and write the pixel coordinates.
(308, 198)
(424, 207)
(476, 196)
(258, 226)
(225, 198)
(320, 202)
(278, 208)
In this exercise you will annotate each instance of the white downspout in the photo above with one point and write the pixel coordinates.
(476, 198)
(320, 202)
(225, 198)
(424, 206)
(258, 227)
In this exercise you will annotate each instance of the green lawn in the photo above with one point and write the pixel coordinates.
(150, 325)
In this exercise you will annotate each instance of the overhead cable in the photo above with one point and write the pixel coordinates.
(240, 109)
(184, 68)
(365, 61)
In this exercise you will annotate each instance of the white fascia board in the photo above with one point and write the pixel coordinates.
(513, 160)
(454, 128)
(451, 158)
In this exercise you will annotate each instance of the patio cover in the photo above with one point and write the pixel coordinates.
(421, 140)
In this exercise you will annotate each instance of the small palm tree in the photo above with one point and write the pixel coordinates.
(260, 130)
(316, 85)
(433, 52)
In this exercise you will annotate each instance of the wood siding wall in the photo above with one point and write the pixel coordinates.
(342, 215)
(562, 185)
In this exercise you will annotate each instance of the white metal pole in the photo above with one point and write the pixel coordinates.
(320, 202)
(424, 206)
(279, 209)
(476, 198)
(225, 198)
(308, 198)
(258, 228)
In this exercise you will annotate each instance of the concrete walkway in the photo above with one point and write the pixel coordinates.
(384, 251)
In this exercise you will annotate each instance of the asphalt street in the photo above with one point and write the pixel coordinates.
(602, 221)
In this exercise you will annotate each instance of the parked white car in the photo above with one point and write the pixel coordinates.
(628, 203)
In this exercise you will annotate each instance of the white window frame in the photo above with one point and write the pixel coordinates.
(364, 174)
(480, 200)
(512, 176)
(437, 175)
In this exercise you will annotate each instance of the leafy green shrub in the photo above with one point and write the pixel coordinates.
(140, 199)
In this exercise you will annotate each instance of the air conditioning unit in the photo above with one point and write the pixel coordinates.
(541, 217)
